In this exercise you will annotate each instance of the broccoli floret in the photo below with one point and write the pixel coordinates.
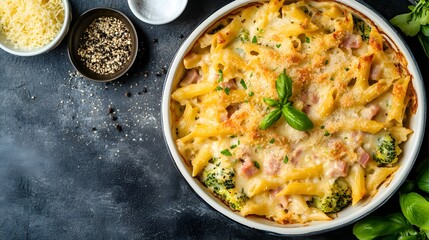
(219, 177)
(387, 150)
(336, 199)
(361, 27)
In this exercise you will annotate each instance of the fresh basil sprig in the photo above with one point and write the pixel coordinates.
(415, 22)
(294, 117)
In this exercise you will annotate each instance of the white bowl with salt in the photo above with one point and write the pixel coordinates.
(157, 12)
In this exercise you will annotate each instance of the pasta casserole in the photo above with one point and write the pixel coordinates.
(293, 110)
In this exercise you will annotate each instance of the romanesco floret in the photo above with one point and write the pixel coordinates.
(387, 150)
(336, 199)
(219, 177)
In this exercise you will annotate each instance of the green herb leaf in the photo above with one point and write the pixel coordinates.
(415, 209)
(424, 41)
(284, 87)
(270, 119)
(219, 88)
(233, 146)
(272, 102)
(256, 164)
(226, 152)
(272, 140)
(307, 39)
(372, 227)
(296, 119)
(425, 29)
(423, 180)
(286, 159)
(408, 24)
(220, 72)
(227, 90)
(243, 84)
(278, 45)
(251, 94)
(326, 134)
(254, 39)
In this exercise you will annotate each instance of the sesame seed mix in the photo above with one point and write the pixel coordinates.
(105, 46)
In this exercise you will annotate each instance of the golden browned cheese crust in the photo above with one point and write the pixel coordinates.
(347, 78)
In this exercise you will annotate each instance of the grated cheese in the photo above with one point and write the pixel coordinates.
(30, 24)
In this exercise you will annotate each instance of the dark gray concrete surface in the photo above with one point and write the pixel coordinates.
(67, 173)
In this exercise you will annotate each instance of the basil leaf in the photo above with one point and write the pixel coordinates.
(415, 209)
(423, 180)
(270, 119)
(408, 23)
(271, 102)
(425, 29)
(296, 118)
(284, 87)
(372, 227)
(408, 186)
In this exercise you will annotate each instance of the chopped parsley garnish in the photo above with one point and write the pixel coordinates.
(220, 75)
(326, 134)
(272, 140)
(307, 39)
(326, 62)
(238, 142)
(278, 45)
(286, 160)
(347, 69)
(233, 136)
(254, 39)
(227, 90)
(226, 152)
(251, 94)
(322, 127)
(256, 164)
(233, 146)
(219, 88)
(243, 84)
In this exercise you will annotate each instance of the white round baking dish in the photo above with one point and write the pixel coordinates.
(346, 216)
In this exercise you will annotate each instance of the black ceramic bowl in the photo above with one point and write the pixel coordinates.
(79, 28)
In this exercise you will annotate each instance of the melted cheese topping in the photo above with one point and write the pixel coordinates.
(31, 24)
(346, 77)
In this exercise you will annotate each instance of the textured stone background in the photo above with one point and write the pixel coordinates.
(67, 173)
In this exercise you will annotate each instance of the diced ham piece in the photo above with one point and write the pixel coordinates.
(363, 157)
(231, 84)
(371, 111)
(283, 200)
(248, 168)
(191, 77)
(295, 156)
(375, 72)
(272, 165)
(231, 109)
(339, 168)
(351, 41)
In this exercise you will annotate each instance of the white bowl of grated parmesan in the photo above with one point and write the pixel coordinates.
(33, 27)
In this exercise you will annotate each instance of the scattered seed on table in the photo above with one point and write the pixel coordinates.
(111, 110)
(127, 94)
(118, 127)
